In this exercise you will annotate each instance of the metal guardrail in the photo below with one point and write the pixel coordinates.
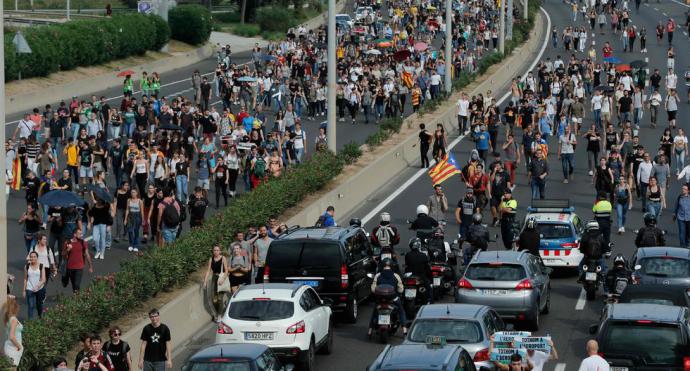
(29, 21)
(41, 13)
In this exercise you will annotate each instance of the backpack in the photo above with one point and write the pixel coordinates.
(595, 248)
(649, 237)
(260, 167)
(171, 217)
(384, 235)
(320, 221)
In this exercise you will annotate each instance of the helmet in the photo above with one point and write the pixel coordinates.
(619, 260)
(531, 223)
(387, 262)
(355, 222)
(385, 217)
(415, 243)
(422, 209)
(591, 225)
(477, 218)
(649, 219)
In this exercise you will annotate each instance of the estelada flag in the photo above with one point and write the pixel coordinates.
(444, 169)
(407, 79)
(16, 174)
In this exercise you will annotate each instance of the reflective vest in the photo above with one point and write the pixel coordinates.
(602, 209)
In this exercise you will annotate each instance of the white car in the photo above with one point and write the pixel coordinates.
(290, 319)
(364, 14)
(344, 18)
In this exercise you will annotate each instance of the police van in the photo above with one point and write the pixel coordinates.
(560, 230)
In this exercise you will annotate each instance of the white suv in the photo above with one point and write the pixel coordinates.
(291, 319)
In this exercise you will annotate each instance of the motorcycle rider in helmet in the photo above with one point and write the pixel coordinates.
(477, 236)
(356, 222)
(417, 263)
(530, 239)
(388, 277)
(463, 214)
(592, 247)
(437, 242)
(423, 221)
(650, 234)
(385, 234)
(619, 270)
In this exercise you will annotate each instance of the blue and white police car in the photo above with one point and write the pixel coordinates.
(560, 230)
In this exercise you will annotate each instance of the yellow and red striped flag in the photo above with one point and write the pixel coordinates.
(444, 169)
(16, 174)
(407, 79)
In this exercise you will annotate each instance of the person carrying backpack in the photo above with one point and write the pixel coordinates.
(258, 169)
(326, 219)
(650, 235)
(385, 234)
(169, 217)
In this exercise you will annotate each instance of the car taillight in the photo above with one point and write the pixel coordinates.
(343, 276)
(525, 284)
(481, 355)
(600, 354)
(223, 329)
(464, 284)
(686, 363)
(570, 245)
(267, 271)
(643, 321)
(411, 282)
(297, 328)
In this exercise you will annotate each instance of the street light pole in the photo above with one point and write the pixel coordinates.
(68, 11)
(449, 45)
(331, 120)
(502, 27)
(525, 9)
(3, 177)
(509, 19)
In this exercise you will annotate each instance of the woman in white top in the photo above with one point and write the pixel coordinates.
(232, 161)
(45, 256)
(34, 285)
(654, 102)
(680, 148)
(160, 172)
(671, 106)
(141, 170)
(13, 344)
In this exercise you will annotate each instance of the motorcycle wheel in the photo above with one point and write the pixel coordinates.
(410, 309)
(383, 336)
(591, 292)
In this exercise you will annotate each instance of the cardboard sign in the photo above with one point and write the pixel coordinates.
(507, 343)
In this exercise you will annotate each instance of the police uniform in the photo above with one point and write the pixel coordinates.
(508, 209)
(602, 214)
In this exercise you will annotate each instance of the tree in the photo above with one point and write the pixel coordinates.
(243, 11)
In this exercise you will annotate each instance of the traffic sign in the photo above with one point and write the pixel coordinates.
(20, 44)
(145, 7)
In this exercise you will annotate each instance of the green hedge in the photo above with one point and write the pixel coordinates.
(109, 298)
(190, 23)
(84, 43)
(276, 19)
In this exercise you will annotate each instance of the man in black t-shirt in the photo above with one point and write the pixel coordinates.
(116, 154)
(624, 107)
(197, 208)
(155, 353)
(118, 350)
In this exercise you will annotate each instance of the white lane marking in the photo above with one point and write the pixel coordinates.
(560, 367)
(665, 15)
(657, 9)
(679, 3)
(582, 300)
(374, 212)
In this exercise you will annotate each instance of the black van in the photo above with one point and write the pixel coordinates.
(335, 261)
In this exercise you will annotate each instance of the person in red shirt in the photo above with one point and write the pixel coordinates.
(607, 50)
(670, 27)
(76, 252)
(97, 360)
(479, 181)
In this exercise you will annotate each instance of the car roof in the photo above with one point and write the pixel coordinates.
(499, 256)
(546, 217)
(675, 252)
(247, 351)
(459, 311)
(653, 312)
(418, 355)
(317, 233)
(274, 291)
(673, 293)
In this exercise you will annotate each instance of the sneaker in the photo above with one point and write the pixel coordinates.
(620, 230)
(97, 256)
(130, 248)
(565, 181)
(135, 249)
(623, 229)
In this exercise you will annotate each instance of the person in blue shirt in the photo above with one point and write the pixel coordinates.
(327, 219)
(482, 140)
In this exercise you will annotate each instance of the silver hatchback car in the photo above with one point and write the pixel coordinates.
(466, 324)
(514, 283)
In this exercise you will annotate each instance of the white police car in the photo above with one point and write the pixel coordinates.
(560, 230)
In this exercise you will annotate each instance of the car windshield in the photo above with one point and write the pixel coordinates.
(649, 343)
(220, 366)
(553, 231)
(665, 267)
(650, 301)
(309, 255)
(495, 272)
(261, 310)
(459, 331)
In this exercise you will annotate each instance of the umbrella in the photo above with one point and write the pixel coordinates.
(612, 60)
(373, 52)
(60, 198)
(125, 73)
(401, 55)
(246, 79)
(384, 44)
(101, 193)
(420, 46)
(638, 64)
(623, 67)
(430, 7)
(170, 127)
(433, 23)
(604, 88)
(268, 57)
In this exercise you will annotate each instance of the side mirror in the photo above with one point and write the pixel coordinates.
(638, 267)
(327, 301)
(548, 271)
(593, 329)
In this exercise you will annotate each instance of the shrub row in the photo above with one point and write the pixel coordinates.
(83, 43)
(190, 23)
(109, 298)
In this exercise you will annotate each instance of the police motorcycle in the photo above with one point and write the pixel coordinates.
(617, 279)
(386, 316)
(379, 253)
(593, 265)
(443, 274)
(416, 280)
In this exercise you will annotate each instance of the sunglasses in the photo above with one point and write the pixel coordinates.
(115, 334)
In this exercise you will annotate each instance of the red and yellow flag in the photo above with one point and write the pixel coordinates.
(444, 169)
(407, 79)
(16, 174)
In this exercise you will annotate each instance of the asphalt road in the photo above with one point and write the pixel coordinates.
(570, 314)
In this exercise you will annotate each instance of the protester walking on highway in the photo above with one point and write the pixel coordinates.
(623, 202)
(75, 256)
(34, 285)
(13, 347)
(681, 215)
(155, 353)
(218, 271)
(537, 173)
(260, 244)
(594, 362)
(424, 144)
(168, 217)
(118, 350)
(438, 204)
(99, 217)
(134, 208)
(566, 153)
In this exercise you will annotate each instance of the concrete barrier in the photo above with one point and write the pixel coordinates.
(187, 314)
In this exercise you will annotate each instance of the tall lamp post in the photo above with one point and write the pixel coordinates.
(449, 45)
(332, 36)
(502, 27)
(3, 199)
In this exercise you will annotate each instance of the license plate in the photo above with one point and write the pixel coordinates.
(494, 292)
(258, 336)
(590, 276)
(386, 256)
(619, 369)
(411, 293)
(384, 319)
(437, 281)
(308, 283)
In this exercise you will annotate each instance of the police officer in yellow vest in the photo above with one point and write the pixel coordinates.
(508, 208)
(602, 214)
